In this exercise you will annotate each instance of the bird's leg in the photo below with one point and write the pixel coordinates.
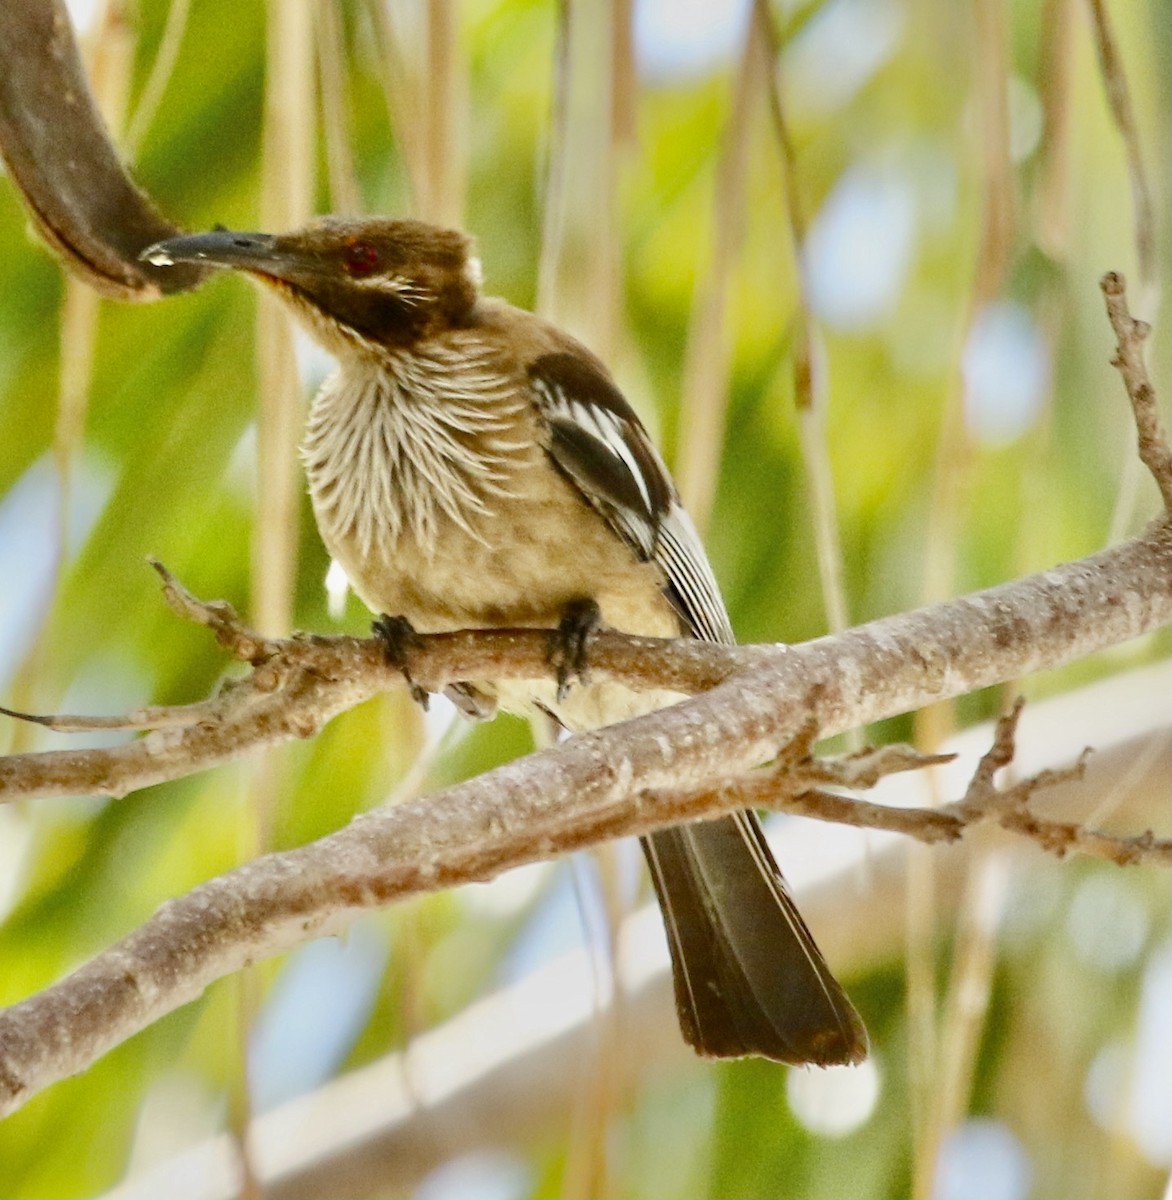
(568, 643)
(399, 638)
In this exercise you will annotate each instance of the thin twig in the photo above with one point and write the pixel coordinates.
(1154, 451)
(809, 399)
(797, 781)
(139, 720)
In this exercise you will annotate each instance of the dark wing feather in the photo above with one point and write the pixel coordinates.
(599, 443)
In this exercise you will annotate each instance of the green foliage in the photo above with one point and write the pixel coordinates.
(166, 469)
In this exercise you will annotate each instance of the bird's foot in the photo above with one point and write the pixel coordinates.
(399, 638)
(568, 643)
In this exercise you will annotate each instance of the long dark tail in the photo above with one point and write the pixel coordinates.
(748, 977)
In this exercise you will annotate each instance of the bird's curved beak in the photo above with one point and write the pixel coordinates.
(259, 253)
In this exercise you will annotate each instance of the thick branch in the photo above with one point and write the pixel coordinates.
(875, 671)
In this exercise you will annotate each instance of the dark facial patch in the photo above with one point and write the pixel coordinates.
(390, 281)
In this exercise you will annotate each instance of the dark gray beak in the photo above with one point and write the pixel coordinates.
(221, 248)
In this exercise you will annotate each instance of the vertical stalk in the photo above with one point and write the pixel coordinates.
(941, 1058)
(443, 197)
(706, 366)
(404, 104)
(808, 398)
(161, 70)
(286, 201)
(287, 174)
(553, 225)
(343, 179)
(586, 145)
(110, 57)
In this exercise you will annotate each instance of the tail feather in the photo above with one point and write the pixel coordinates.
(749, 978)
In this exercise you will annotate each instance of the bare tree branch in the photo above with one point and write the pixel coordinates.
(58, 151)
(791, 785)
(1154, 451)
(875, 671)
(307, 1148)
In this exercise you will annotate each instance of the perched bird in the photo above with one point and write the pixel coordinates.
(471, 465)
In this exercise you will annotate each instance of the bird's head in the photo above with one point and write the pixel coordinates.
(355, 281)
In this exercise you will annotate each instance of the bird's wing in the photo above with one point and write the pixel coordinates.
(599, 444)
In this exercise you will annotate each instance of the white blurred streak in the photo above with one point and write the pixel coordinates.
(1111, 712)
(482, 1175)
(1107, 923)
(337, 589)
(837, 52)
(1104, 1086)
(28, 546)
(1025, 119)
(675, 41)
(178, 1106)
(16, 830)
(1006, 370)
(315, 1012)
(983, 1160)
(1150, 1094)
(992, 894)
(1128, 1090)
(507, 894)
(84, 14)
(860, 248)
(313, 363)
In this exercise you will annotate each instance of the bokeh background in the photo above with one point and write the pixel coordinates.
(923, 408)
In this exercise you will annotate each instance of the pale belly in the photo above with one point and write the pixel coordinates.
(516, 569)
(522, 571)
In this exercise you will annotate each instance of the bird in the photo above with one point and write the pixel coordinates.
(471, 465)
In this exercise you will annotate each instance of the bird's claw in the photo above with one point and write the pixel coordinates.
(399, 638)
(569, 643)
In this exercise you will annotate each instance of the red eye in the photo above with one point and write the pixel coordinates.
(360, 260)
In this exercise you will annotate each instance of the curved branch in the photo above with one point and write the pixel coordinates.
(58, 152)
